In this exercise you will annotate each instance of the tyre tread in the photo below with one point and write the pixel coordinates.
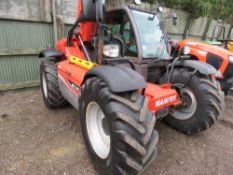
(214, 103)
(136, 131)
(55, 98)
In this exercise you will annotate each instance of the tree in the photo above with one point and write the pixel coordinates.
(217, 9)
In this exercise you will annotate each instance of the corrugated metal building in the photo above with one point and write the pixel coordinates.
(26, 27)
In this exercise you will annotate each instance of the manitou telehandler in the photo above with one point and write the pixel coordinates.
(108, 68)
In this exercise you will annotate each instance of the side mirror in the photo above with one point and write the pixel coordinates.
(92, 11)
(174, 18)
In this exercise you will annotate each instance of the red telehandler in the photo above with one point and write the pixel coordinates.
(104, 69)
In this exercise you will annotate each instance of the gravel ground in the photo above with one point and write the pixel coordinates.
(38, 141)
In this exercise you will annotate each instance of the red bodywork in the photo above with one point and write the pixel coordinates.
(160, 97)
(200, 50)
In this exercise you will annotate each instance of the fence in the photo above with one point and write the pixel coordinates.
(26, 27)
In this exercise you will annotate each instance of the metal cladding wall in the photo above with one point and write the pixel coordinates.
(21, 41)
(23, 35)
(26, 27)
(18, 72)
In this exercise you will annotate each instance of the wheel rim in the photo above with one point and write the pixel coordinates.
(44, 85)
(98, 130)
(188, 107)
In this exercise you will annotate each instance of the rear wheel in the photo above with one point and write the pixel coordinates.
(49, 85)
(228, 89)
(118, 129)
(202, 102)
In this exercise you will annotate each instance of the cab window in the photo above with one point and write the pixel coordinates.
(120, 24)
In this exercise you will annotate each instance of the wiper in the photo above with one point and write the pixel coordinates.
(164, 48)
(161, 51)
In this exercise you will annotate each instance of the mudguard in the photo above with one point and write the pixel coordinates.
(50, 53)
(203, 68)
(118, 78)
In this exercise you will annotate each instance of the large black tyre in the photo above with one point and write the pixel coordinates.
(228, 89)
(130, 127)
(49, 85)
(205, 92)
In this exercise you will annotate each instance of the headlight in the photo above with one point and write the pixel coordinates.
(111, 50)
(185, 50)
(231, 59)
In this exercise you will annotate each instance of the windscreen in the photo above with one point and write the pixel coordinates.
(152, 37)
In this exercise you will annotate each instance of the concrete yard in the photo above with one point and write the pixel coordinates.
(38, 141)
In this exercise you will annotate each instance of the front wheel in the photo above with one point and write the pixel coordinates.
(118, 129)
(202, 102)
(49, 85)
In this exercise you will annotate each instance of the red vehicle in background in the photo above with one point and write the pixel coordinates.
(220, 58)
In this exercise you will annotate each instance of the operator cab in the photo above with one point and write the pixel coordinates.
(141, 32)
(144, 39)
